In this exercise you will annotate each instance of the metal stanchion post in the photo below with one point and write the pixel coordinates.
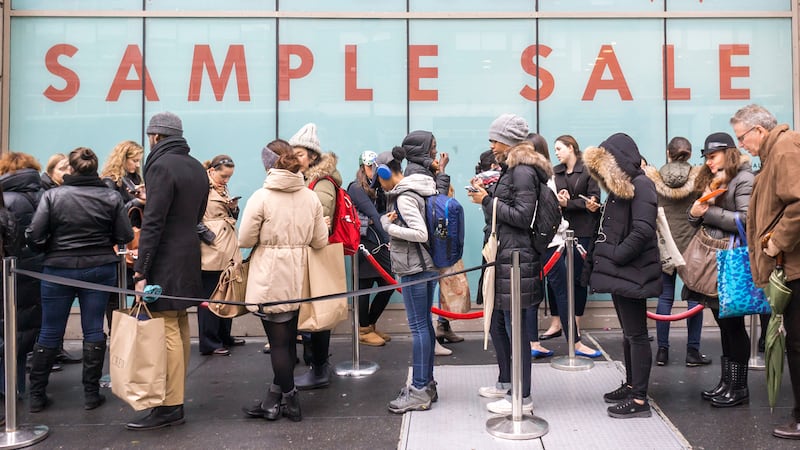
(23, 435)
(756, 362)
(517, 426)
(571, 362)
(355, 368)
(122, 275)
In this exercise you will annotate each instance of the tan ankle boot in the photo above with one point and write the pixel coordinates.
(384, 336)
(368, 337)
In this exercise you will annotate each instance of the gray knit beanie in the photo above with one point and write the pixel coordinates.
(306, 137)
(166, 124)
(509, 129)
(269, 158)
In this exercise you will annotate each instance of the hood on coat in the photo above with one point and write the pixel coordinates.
(705, 177)
(524, 154)
(610, 176)
(675, 180)
(284, 180)
(326, 167)
(423, 185)
(22, 180)
(418, 144)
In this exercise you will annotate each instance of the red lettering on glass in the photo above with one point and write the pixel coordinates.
(219, 80)
(670, 91)
(131, 58)
(351, 90)
(286, 73)
(415, 73)
(73, 83)
(546, 82)
(727, 72)
(607, 59)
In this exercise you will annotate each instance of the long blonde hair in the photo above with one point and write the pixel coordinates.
(115, 165)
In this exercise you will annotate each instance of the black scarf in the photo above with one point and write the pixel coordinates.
(170, 145)
(83, 179)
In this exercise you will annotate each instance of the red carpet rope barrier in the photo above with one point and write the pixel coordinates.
(673, 317)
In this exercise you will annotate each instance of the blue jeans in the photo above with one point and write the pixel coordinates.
(418, 300)
(694, 324)
(57, 301)
(500, 330)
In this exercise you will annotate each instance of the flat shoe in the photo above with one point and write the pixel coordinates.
(544, 337)
(596, 354)
(540, 354)
(237, 342)
(222, 351)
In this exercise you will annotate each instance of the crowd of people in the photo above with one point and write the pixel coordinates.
(68, 220)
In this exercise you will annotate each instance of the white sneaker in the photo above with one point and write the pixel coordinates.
(441, 350)
(503, 406)
(496, 391)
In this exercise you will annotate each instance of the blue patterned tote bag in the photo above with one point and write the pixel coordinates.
(738, 295)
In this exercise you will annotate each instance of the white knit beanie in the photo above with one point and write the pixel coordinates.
(509, 129)
(306, 137)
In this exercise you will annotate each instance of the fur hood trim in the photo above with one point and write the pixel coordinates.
(326, 167)
(524, 154)
(604, 169)
(673, 193)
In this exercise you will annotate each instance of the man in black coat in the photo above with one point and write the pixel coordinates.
(169, 251)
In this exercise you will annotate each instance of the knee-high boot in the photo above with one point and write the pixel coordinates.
(94, 353)
(41, 363)
(724, 380)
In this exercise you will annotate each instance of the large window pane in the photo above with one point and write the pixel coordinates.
(471, 5)
(343, 5)
(61, 78)
(728, 5)
(203, 5)
(113, 5)
(721, 65)
(601, 5)
(218, 75)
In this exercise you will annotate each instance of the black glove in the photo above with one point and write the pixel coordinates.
(206, 235)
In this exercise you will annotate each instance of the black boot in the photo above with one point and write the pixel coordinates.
(41, 363)
(269, 408)
(159, 417)
(291, 408)
(94, 354)
(724, 380)
(737, 392)
(316, 377)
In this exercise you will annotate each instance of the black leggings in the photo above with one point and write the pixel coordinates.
(735, 341)
(632, 315)
(369, 314)
(283, 351)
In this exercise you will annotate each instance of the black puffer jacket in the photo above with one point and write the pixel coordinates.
(10, 246)
(418, 145)
(78, 224)
(624, 257)
(517, 191)
(21, 193)
(582, 221)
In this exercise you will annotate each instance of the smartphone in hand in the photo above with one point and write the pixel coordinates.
(470, 188)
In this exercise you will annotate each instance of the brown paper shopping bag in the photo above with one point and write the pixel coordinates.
(138, 358)
(454, 290)
(326, 275)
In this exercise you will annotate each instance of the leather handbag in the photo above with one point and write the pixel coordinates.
(671, 257)
(700, 272)
(231, 287)
(326, 275)
(738, 295)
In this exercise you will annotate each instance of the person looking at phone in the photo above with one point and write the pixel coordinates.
(123, 173)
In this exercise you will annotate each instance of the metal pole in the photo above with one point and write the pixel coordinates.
(571, 362)
(122, 275)
(356, 368)
(517, 426)
(756, 362)
(24, 435)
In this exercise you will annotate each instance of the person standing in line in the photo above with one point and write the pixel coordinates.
(169, 252)
(675, 186)
(9, 247)
(317, 167)
(517, 191)
(625, 262)
(370, 201)
(405, 224)
(281, 221)
(218, 248)
(76, 227)
(774, 217)
(53, 175)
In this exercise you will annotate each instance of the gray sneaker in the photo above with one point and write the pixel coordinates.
(410, 399)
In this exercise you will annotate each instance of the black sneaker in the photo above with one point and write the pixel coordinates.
(622, 393)
(694, 358)
(662, 357)
(629, 409)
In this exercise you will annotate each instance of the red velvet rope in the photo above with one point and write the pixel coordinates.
(673, 317)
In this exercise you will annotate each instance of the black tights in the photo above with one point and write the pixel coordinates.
(283, 351)
(369, 314)
(735, 341)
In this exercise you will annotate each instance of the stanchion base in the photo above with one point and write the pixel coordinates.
(23, 436)
(756, 363)
(572, 364)
(356, 370)
(530, 427)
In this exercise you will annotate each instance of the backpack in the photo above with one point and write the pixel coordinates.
(546, 218)
(444, 219)
(345, 224)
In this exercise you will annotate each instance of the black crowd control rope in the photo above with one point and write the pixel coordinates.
(104, 288)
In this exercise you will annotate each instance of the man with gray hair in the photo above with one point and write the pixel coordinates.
(773, 224)
(169, 252)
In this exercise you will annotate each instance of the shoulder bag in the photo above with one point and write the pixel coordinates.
(700, 272)
(738, 295)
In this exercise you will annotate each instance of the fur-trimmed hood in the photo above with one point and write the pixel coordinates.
(675, 180)
(324, 168)
(525, 154)
(614, 164)
(705, 177)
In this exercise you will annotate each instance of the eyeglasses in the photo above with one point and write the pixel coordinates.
(224, 162)
(741, 138)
